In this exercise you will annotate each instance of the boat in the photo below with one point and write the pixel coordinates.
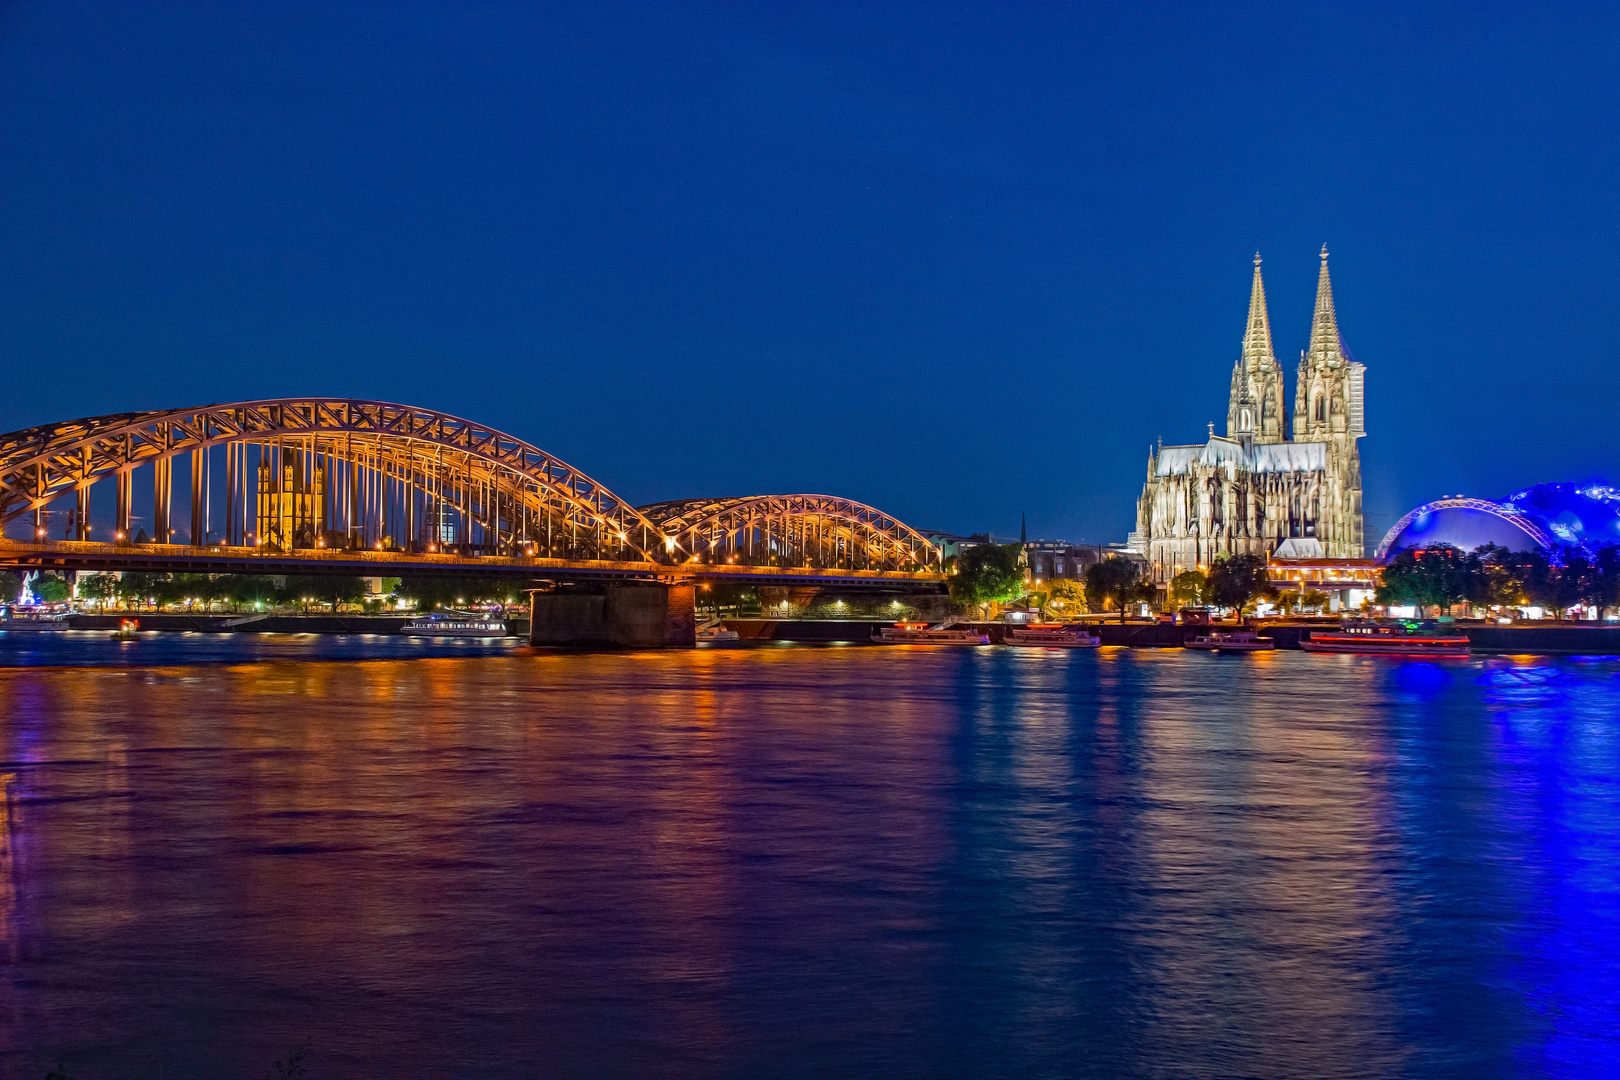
(1230, 641)
(454, 624)
(34, 622)
(1052, 636)
(128, 630)
(918, 633)
(1380, 639)
(715, 631)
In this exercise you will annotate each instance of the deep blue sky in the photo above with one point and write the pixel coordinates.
(956, 262)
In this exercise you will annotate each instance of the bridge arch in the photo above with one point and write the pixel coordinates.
(311, 472)
(811, 531)
(1447, 520)
(286, 476)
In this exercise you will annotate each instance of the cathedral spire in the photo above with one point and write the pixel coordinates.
(1257, 335)
(1326, 347)
(1255, 407)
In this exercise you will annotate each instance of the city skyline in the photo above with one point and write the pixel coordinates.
(957, 266)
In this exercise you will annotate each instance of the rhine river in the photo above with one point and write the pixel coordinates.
(481, 860)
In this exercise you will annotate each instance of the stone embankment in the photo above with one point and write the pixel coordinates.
(1546, 639)
(265, 624)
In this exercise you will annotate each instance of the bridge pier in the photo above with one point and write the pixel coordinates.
(629, 616)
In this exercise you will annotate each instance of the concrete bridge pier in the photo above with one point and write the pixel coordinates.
(640, 615)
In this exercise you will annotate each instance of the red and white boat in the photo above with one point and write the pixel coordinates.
(1384, 640)
(1052, 636)
(917, 633)
(1230, 641)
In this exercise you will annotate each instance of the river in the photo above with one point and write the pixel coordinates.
(418, 860)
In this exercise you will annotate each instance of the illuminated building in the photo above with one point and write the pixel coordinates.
(290, 503)
(1544, 517)
(1255, 490)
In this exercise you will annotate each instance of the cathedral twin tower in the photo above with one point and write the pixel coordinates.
(1256, 489)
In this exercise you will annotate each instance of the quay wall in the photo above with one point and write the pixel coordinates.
(271, 624)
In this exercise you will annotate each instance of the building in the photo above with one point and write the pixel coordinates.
(1265, 487)
(1059, 559)
(290, 500)
(1544, 518)
(1347, 582)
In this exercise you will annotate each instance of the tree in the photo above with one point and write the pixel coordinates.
(250, 590)
(1067, 594)
(98, 587)
(10, 586)
(333, 589)
(1237, 579)
(139, 588)
(51, 588)
(1606, 579)
(1566, 583)
(1288, 600)
(1190, 587)
(1435, 576)
(988, 574)
(1116, 583)
(1314, 600)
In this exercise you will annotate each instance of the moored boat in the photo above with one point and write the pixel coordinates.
(454, 624)
(908, 633)
(715, 631)
(33, 622)
(1230, 641)
(1378, 639)
(1052, 636)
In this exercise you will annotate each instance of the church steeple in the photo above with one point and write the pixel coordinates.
(1326, 346)
(1255, 407)
(1257, 338)
(1328, 396)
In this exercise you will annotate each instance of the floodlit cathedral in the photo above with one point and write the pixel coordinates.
(1255, 490)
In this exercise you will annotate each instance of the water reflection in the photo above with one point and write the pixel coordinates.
(819, 862)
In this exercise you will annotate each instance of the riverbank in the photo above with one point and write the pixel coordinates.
(1549, 640)
(266, 624)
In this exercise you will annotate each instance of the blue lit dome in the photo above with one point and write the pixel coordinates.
(1546, 516)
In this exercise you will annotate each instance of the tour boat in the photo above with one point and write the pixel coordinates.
(1375, 639)
(454, 624)
(1052, 636)
(714, 630)
(34, 621)
(917, 633)
(1230, 641)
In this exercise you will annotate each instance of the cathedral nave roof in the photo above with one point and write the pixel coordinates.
(1283, 457)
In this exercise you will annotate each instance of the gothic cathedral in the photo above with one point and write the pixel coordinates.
(1255, 490)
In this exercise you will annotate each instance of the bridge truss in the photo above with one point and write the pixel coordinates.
(815, 531)
(291, 477)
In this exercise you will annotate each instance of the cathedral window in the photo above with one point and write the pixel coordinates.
(1247, 422)
(1319, 407)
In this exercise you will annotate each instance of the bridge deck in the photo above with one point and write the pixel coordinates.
(217, 559)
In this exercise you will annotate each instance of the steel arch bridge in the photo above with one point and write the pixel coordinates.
(341, 483)
(791, 530)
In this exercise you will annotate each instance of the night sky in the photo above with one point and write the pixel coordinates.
(957, 262)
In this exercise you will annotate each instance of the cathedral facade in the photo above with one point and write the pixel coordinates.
(1267, 487)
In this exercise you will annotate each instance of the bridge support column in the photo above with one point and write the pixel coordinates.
(630, 616)
(199, 498)
(121, 511)
(81, 515)
(162, 498)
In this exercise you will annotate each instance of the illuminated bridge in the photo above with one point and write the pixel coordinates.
(311, 485)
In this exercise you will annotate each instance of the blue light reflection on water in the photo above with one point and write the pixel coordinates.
(816, 862)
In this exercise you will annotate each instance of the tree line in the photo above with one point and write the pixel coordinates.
(995, 573)
(260, 592)
(1440, 576)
